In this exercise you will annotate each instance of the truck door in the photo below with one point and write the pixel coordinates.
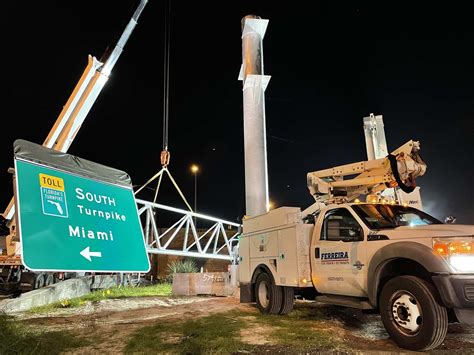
(338, 259)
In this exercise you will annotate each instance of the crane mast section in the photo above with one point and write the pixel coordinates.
(84, 95)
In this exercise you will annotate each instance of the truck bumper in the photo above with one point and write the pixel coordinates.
(457, 292)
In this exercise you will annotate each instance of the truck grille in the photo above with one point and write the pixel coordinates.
(469, 292)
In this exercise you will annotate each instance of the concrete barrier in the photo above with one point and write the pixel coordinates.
(206, 283)
(101, 281)
(49, 294)
(104, 281)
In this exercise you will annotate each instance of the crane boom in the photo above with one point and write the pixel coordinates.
(83, 96)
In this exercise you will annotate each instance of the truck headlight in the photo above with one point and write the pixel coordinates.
(458, 252)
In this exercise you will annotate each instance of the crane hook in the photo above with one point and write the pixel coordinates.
(165, 158)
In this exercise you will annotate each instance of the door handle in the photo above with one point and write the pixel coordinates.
(358, 265)
(316, 253)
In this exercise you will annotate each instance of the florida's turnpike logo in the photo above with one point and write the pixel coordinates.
(53, 196)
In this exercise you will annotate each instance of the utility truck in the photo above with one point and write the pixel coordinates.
(372, 255)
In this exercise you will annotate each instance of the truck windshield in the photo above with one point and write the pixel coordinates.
(378, 216)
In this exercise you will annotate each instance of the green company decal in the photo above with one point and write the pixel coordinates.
(73, 223)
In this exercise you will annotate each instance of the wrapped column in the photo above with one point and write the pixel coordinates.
(254, 85)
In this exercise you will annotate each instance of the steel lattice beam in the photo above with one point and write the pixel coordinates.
(211, 243)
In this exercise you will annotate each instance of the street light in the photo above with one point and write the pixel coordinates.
(270, 205)
(195, 170)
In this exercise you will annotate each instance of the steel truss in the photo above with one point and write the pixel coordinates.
(183, 238)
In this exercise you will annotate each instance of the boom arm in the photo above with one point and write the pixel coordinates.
(400, 168)
(83, 97)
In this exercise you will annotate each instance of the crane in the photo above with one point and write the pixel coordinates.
(68, 124)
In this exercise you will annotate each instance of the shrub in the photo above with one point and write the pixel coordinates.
(180, 267)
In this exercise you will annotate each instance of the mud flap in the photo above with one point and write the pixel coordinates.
(246, 293)
(465, 315)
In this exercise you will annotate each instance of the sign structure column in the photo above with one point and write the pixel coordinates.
(255, 143)
(75, 215)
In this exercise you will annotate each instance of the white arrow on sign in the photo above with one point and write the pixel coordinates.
(87, 253)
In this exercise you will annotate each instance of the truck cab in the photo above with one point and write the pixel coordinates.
(413, 269)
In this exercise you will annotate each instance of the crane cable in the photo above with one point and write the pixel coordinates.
(165, 154)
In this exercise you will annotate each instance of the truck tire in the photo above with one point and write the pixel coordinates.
(267, 295)
(39, 281)
(411, 314)
(49, 280)
(288, 294)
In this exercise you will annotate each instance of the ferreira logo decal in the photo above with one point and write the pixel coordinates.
(53, 196)
(338, 257)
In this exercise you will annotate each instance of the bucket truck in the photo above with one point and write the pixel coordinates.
(13, 276)
(417, 272)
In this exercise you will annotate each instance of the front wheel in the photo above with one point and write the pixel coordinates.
(268, 295)
(411, 314)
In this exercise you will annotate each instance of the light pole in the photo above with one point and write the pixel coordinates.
(194, 170)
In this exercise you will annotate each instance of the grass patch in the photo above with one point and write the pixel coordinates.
(299, 330)
(16, 338)
(217, 333)
(163, 289)
(220, 333)
(126, 292)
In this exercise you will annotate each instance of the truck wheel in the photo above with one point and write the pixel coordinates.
(288, 300)
(411, 314)
(49, 280)
(267, 295)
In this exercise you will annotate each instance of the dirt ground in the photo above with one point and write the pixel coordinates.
(112, 321)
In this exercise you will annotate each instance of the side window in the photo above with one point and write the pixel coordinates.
(339, 224)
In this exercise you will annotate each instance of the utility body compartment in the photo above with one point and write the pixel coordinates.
(280, 241)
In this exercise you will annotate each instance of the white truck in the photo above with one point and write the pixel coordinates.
(374, 255)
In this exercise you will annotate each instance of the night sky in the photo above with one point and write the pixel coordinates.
(332, 63)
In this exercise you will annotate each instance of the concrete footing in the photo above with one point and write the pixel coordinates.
(100, 282)
(49, 294)
(206, 283)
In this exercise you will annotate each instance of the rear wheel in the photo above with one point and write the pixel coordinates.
(288, 300)
(268, 295)
(49, 280)
(39, 282)
(411, 314)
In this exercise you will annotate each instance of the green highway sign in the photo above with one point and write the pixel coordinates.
(69, 222)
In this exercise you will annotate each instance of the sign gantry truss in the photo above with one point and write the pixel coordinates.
(183, 238)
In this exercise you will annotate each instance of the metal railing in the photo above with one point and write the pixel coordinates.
(183, 238)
